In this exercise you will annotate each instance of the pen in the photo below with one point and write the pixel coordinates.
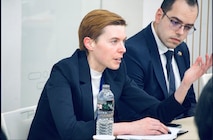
(173, 125)
(169, 132)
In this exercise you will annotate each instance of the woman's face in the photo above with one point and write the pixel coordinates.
(108, 49)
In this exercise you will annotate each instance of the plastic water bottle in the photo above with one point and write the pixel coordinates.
(105, 111)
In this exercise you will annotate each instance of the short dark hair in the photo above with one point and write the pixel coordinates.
(167, 4)
(204, 112)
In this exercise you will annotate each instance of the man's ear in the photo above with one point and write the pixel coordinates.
(158, 15)
(88, 43)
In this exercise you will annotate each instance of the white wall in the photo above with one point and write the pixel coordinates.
(130, 10)
(49, 33)
(149, 9)
(10, 54)
(35, 35)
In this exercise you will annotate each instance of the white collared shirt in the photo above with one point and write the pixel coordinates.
(162, 49)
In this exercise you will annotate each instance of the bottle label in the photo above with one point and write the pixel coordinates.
(106, 106)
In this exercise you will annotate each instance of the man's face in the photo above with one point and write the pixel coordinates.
(172, 28)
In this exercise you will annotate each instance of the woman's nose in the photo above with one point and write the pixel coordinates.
(122, 47)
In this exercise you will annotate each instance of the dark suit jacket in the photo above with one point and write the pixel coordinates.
(65, 109)
(144, 66)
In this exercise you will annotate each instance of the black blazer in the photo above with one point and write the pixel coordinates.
(145, 68)
(65, 109)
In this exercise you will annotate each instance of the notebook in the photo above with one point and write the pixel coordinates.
(173, 135)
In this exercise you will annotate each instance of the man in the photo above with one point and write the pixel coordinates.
(146, 59)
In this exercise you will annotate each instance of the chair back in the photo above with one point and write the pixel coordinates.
(204, 79)
(16, 124)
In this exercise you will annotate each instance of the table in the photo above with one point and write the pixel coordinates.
(187, 124)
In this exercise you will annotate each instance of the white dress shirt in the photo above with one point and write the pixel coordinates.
(162, 49)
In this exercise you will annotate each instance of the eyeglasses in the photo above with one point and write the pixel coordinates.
(176, 25)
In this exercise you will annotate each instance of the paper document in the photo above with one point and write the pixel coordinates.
(171, 136)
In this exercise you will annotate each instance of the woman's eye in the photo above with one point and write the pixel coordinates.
(114, 41)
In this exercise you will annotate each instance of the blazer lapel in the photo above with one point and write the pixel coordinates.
(85, 86)
(158, 69)
(156, 61)
(178, 54)
(115, 84)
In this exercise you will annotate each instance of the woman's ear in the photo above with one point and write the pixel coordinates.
(88, 43)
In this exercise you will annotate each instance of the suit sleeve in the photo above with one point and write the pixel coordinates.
(63, 111)
(191, 93)
(144, 105)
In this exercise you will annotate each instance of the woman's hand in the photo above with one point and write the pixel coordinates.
(146, 126)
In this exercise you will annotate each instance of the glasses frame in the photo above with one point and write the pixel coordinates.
(178, 24)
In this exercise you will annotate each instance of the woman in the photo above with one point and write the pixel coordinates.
(68, 102)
